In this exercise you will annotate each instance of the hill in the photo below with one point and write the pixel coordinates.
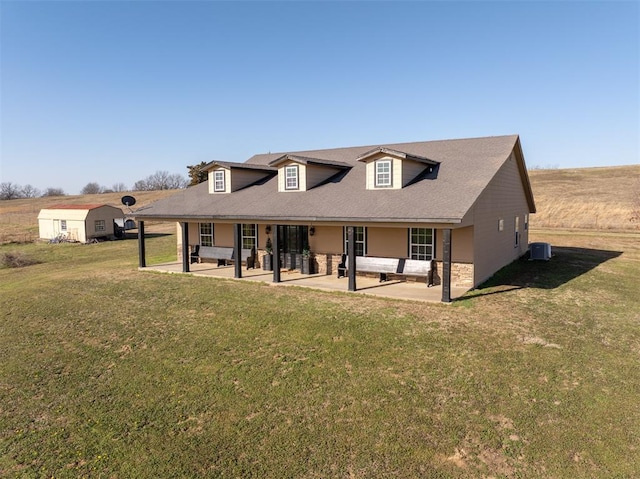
(587, 198)
(19, 218)
(581, 198)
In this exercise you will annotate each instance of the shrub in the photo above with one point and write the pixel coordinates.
(17, 260)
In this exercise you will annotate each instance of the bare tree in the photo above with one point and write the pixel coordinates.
(161, 180)
(9, 191)
(29, 191)
(119, 187)
(91, 189)
(54, 192)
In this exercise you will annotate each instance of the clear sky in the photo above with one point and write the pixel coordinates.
(113, 91)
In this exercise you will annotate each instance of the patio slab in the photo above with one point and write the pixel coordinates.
(397, 289)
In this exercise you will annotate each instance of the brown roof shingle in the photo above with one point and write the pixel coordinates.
(466, 167)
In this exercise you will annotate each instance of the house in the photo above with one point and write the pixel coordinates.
(463, 205)
(78, 222)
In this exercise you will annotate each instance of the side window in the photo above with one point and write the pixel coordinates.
(218, 180)
(291, 177)
(63, 225)
(361, 240)
(383, 173)
(421, 243)
(206, 234)
(100, 225)
(517, 232)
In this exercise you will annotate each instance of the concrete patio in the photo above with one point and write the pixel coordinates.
(396, 289)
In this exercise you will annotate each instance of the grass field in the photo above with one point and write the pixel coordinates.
(109, 372)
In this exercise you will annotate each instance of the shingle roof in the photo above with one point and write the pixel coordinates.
(465, 168)
(230, 164)
(75, 207)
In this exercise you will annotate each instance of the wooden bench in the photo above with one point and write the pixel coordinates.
(223, 254)
(387, 266)
(415, 267)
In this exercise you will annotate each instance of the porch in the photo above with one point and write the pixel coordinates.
(396, 289)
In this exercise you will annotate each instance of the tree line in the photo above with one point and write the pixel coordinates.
(160, 180)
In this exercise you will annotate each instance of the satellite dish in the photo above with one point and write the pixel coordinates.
(128, 200)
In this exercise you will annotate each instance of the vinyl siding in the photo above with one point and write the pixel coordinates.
(388, 242)
(302, 174)
(318, 174)
(504, 198)
(410, 170)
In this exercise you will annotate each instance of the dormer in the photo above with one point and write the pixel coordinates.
(393, 169)
(301, 173)
(227, 177)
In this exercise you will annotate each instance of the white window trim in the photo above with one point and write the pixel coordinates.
(431, 245)
(295, 177)
(363, 242)
(254, 236)
(205, 235)
(377, 182)
(219, 181)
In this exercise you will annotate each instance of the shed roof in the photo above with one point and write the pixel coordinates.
(464, 169)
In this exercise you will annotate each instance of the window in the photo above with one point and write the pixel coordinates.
(526, 222)
(361, 240)
(249, 239)
(383, 173)
(421, 243)
(291, 177)
(517, 232)
(500, 224)
(218, 180)
(100, 225)
(206, 234)
(63, 225)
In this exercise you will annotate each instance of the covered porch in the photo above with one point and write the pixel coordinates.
(395, 289)
(281, 271)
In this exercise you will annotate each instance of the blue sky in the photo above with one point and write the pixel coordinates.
(112, 91)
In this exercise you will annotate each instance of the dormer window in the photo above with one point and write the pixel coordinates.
(383, 174)
(291, 177)
(218, 181)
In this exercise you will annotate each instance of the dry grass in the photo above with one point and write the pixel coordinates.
(587, 198)
(19, 218)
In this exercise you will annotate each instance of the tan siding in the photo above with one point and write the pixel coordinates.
(223, 234)
(462, 245)
(327, 239)
(396, 170)
(503, 198)
(318, 174)
(410, 170)
(243, 178)
(302, 181)
(387, 242)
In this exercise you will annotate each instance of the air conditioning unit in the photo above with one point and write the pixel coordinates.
(540, 251)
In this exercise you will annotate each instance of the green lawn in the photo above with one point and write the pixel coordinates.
(110, 372)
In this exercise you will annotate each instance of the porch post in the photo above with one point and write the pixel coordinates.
(237, 250)
(276, 254)
(185, 247)
(446, 266)
(351, 257)
(141, 255)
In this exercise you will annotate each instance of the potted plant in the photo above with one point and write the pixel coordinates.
(306, 263)
(267, 259)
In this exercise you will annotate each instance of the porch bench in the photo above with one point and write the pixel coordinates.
(372, 264)
(386, 266)
(223, 254)
(415, 267)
